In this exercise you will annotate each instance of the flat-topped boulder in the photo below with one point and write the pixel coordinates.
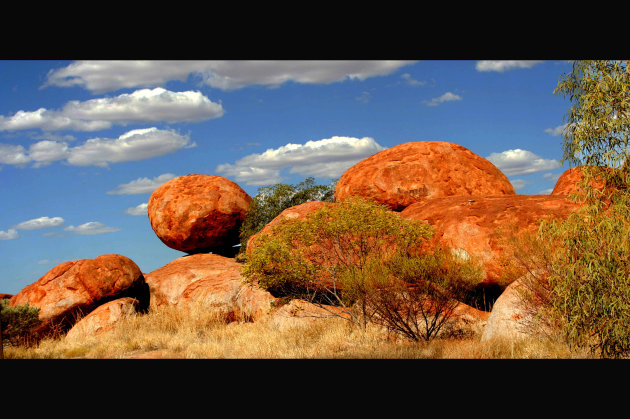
(419, 171)
(198, 213)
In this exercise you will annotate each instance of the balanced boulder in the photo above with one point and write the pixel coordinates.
(211, 279)
(483, 227)
(75, 288)
(417, 171)
(198, 213)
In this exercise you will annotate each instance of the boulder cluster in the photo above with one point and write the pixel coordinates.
(465, 197)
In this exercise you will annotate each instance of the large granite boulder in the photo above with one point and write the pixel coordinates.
(75, 288)
(482, 227)
(198, 213)
(211, 279)
(418, 171)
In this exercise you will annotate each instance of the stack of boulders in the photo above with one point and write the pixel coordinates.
(464, 196)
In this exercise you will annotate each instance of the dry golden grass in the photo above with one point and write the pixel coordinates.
(188, 333)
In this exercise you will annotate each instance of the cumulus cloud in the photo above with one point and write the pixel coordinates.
(13, 154)
(91, 227)
(10, 234)
(446, 97)
(521, 162)
(104, 76)
(505, 65)
(134, 145)
(41, 222)
(141, 209)
(156, 105)
(328, 157)
(141, 185)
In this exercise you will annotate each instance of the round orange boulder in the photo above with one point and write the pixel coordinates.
(198, 213)
(417, 171)
(570, 182)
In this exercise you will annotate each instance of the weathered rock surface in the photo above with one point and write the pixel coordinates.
(198, 213)
(516, 314)
(80, 286)
(418, 171)
(210, 278)
(301, 313)
(479, 226)
(103, 318)
(569, 182)
(5, 296)
(297, 212)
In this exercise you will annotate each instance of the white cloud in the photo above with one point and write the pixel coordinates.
(103, 76)
(41, 222)
(13, 154)
(141, 209)
(446, 97)
(46, 151)
(505, 65)
(329, 157)
(92, 227)
(520, 162)
(141, 185)
(144, 105)
(557, 130)
(519, 183)
(134, 145)
(411, 81)
(10, 234)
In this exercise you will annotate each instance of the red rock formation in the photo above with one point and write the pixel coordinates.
(479, 226)
(80, 286)
(297, 212)
(418, 171)
(198, 213)
(210, 278)
(569, 182)
(103, 318)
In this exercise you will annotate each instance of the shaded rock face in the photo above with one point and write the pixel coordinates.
(103, 318)
(75, 287)
(516, 314)
(297, 212)
(419, 171)
(480, 226)
(210, 278)
(198, 213)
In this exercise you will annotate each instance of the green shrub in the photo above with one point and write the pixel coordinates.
(270, 201)
(590, 275)
(360, 256)
(17, 322)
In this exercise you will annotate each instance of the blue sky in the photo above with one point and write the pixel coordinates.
(83, 144)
